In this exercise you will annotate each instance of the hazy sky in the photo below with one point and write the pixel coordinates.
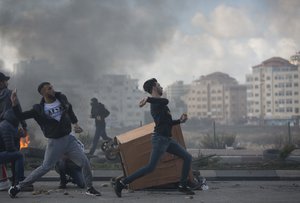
(170, 40)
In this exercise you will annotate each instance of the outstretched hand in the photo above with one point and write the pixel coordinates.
(14, 97)
(183, 118)
(143, 102)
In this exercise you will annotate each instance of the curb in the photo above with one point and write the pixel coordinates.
(210, 175)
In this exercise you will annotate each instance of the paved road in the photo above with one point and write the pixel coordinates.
(220, 191)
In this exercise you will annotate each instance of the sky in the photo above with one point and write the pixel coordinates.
(170, 40)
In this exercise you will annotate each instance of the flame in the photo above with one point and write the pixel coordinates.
(24, 142)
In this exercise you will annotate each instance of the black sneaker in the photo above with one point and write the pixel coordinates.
(185, 189)
(13, 191)
(118, 187)
(92, 191)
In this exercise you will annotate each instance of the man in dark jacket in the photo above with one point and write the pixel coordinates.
(161, 139)
(54, 114)
(99, 113)
(9, 137)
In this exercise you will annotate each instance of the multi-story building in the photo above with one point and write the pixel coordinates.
(217, 96)
(176, 90)
(121, 96)
(175, 94)
(295, 59)
(273, 92)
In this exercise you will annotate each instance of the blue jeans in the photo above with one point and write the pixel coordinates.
(5, 157)
(100, 132)
(160, 145)
(18, 159)
(63, 168)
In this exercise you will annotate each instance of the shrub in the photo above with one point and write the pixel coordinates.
(220, 142)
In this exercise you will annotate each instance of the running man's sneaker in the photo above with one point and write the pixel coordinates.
(92, 191)
(185, 189)
(13, 191)
(118, 187)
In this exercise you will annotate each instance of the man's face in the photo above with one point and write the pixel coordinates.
(48, 91)
(158, 89)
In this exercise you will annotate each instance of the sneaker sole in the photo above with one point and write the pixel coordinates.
(90, 194)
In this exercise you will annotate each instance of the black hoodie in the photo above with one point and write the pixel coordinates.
(51, 127)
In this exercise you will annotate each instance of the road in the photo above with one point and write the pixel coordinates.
(219, 191)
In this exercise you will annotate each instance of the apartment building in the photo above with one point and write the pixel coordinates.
(217, 96)
(121, 96)
(273, 92)
(175, 94)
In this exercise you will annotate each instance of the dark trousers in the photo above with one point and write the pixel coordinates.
(160, 145)
(17, 160)
(100, 132)
(75, 172)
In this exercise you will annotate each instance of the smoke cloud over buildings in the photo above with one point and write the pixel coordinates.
(84, 39)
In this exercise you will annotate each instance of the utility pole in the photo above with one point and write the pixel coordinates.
(215, 138)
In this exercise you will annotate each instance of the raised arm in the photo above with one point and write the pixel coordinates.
(153, 100)
(17, 110)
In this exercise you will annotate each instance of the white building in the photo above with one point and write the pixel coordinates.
(217, 96)
(273, 92)
(120, 94)
(175, 94)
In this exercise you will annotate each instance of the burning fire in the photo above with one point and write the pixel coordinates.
(24, 142)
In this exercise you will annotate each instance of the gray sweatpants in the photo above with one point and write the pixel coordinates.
(56, 148)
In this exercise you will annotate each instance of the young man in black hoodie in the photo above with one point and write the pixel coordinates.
(99, 113)
(54, 114)
(161, 139)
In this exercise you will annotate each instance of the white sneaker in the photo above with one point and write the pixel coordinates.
(4, 185)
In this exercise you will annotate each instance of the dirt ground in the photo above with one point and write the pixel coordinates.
(225, 191)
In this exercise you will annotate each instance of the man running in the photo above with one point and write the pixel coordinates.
(161, 139)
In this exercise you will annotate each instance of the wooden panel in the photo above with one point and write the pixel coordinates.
(135, 148)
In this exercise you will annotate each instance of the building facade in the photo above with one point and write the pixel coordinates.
(120, 94)
(217, 96)
(273, 92)
(175, 94)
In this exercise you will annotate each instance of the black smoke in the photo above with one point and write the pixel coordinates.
(72, 42)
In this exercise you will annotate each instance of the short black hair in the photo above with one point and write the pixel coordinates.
(149, 84)
(42, 85)
(94, 100)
